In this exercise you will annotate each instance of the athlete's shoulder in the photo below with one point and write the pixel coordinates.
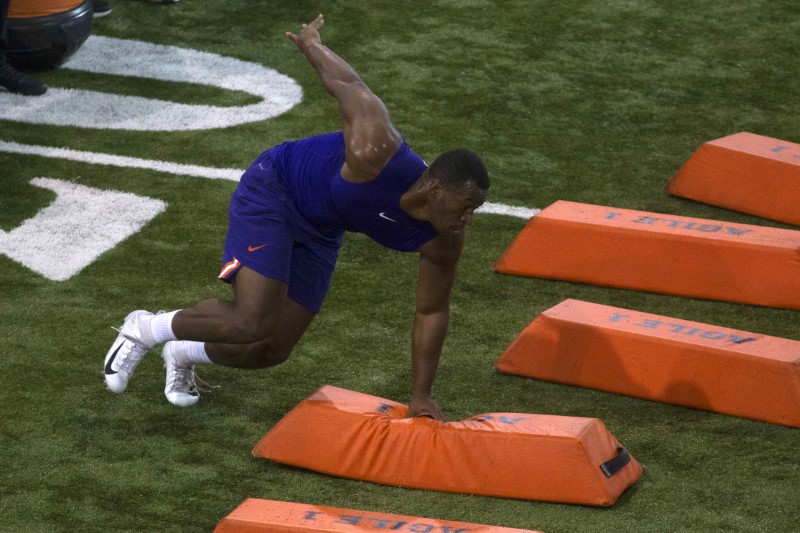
(368, 155)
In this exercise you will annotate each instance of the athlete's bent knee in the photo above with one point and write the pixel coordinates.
(248, 330)
(266, 354)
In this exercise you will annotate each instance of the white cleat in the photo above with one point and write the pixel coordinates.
(181, 388)
(125, 354)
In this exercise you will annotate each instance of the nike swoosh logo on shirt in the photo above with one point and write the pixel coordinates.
(252, 248)
(383, 215)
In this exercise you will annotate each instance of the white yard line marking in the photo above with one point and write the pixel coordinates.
(195, 171)
(490, 208)
(122, 161)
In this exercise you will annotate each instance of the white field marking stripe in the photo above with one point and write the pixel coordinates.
(489, 208)
(122, 161)
(231, 174)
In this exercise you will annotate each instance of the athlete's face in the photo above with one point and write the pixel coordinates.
(453, 207)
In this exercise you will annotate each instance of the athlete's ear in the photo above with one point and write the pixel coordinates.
(435, 187)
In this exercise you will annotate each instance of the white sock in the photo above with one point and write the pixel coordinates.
(145, 332)
(191, 353)
(161, 327)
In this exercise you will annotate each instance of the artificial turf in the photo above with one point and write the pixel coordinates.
(590, 101)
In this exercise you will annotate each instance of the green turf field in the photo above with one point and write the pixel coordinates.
(589, 101)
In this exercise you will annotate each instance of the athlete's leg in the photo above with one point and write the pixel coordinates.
(253, 315)
(281, 323)
(260, 309)
(180, 357)
(258, 253)
(312, 264)
(292, 323)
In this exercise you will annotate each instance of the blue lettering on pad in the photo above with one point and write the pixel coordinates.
(684, 329)
(647, 220)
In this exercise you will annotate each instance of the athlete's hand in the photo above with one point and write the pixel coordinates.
(308, 35)
(425, 406)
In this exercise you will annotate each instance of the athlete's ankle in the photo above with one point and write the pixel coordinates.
(187, 353)
(161, 327)
(145, 329)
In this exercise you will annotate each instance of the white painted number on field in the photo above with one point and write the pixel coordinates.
(106, 55)
(82, 223)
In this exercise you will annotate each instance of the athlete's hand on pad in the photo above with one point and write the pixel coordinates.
(309, 34)
(425, 406)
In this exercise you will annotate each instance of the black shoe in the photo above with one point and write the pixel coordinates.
(100, 8)
(16, 82)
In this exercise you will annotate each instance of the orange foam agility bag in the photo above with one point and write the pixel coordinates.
(662, 359)
(511, 455)
(744, 172)
(659, 253)
(270, 516)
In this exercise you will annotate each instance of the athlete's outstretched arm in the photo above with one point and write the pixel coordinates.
(438, 263)
(369, 134)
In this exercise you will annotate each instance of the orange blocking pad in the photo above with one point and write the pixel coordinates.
(662, 359)
(744, 172)
(269, 516)
(659, 253)
(512, 455)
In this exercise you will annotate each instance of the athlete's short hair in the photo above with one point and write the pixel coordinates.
(457, 167)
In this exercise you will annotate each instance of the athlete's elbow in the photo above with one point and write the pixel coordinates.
(433, 311)
(342, 85)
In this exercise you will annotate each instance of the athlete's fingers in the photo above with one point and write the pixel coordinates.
(425, 408)
(292, 36)
(433, 415)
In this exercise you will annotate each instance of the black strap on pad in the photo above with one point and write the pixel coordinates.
(614, 465)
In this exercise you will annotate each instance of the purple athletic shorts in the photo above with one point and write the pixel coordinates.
(267, 234)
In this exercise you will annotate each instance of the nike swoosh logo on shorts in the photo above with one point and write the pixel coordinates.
(383, 215)
(109, 370)
(252, 248)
